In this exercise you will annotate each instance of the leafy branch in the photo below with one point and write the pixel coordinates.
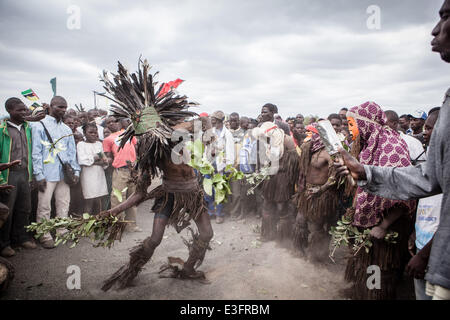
(102, 229)
(54, 148)
(345, 234)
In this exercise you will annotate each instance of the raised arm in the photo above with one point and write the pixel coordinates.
(388, 182)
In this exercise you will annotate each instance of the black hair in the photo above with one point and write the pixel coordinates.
(283, 126)
(272, 108)
(404, 116)
(335, 116)
(234, 114)
(344, 108)
(89, 125)
(11, 103)
(434, 110)
(391, 115)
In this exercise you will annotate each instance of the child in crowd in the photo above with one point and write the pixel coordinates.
(92, 161)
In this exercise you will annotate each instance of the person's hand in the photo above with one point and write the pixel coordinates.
(6, 188)
(4, 166)
(347, 165)
(105, 214)
(378, 232)
(416, 266)
(42, 185)
(96, 158)
(33, 185)
(37, 117)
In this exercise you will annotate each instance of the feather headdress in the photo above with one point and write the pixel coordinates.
(152, 114)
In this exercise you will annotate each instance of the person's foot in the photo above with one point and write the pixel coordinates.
(8, 252)
(48, 244)
(29, 245)
(220, 220)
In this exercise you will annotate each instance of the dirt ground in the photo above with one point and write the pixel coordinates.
(237, 267)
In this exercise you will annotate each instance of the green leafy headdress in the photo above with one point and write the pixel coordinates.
(152, 114)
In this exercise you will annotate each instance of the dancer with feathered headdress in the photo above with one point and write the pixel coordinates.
(155, 116)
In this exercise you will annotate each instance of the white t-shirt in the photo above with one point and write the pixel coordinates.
(415, 147)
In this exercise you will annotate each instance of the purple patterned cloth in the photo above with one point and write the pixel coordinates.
(380, 146)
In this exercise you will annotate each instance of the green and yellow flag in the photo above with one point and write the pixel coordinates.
(30, 95)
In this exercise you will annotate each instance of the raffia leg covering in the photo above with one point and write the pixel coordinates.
(300, 238)
(318, 247)
(284, 227)
(139, 256)
(197, 251)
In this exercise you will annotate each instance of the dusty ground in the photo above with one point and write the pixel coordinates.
(238, 267)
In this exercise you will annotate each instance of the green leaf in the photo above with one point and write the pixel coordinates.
(86, 216)
(88, 226)
(219, 197)
(117, 194)
(208, 186)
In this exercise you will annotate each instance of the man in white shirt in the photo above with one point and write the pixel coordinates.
(223, 154)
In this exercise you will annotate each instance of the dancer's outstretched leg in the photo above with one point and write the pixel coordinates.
(139, 256)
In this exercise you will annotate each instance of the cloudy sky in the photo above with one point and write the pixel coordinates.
(305, 56)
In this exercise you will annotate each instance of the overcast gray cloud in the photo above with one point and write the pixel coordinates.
(308, 56)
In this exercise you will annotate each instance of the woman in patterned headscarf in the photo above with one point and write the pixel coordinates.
(378, 145)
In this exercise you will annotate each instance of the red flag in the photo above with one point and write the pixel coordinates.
(169, 86)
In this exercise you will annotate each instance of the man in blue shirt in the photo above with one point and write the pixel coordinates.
(48, 171)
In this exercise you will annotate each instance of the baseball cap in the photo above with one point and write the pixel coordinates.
(419, 114)
(218, 115)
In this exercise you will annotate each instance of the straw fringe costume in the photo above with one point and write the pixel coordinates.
(278, 210)
(378, 145)
(316, 204)
(154, 116)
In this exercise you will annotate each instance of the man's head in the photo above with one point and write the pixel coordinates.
(336, 122)
(300, 117)
(403, 122)
(71, 112)
(417, 121)
(244, 123)
(124, 123)
(268, 111)
(92, 114)
(102, 112)
(112, 124)
(234, 121)
(58, 107)
(83, 117)
(343, 113)
(429, 126)
(70, 122)
(253, 123)
(441, 33)
(299, 131)
(392, 119)
(17, 110)
(217, 119)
